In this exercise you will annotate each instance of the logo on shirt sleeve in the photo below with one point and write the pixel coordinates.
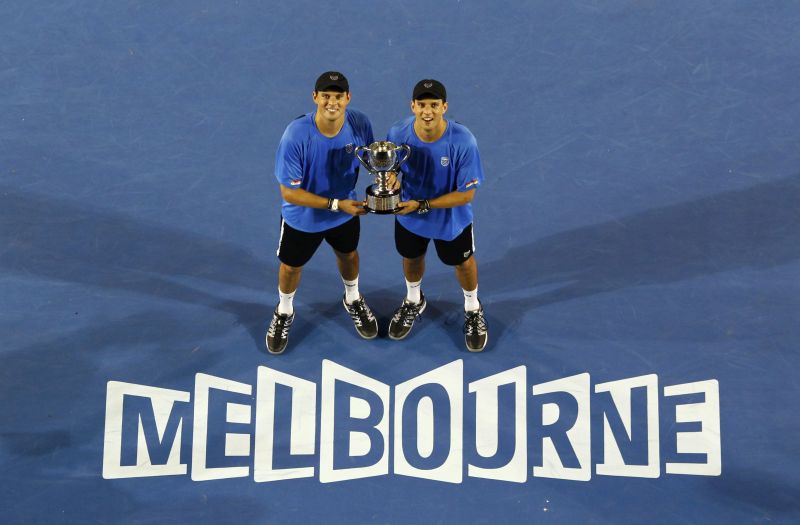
(445, 161)
(471, 183)
(296, 182)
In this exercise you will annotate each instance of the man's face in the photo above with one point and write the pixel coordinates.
(331, 104)
(429, 113)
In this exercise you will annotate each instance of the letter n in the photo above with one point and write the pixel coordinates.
(627, 429)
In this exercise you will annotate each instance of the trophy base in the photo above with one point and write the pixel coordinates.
(382, 211)
(382, 203)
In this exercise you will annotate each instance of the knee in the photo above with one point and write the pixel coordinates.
(347, 257)
(467, 265)
(291, 270)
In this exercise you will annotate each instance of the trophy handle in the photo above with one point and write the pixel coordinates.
(407, 148)
(357, 152)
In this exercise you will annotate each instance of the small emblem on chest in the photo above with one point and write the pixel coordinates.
(445, 161)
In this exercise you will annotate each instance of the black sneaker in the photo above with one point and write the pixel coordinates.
(365, 322)
(404, 317)
(476, 333)
(278, 333)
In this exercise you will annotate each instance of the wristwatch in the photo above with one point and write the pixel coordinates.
(333, 205)
(424, 206)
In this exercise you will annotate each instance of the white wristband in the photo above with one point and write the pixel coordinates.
(335, 205)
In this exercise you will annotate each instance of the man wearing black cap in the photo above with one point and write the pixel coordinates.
(317, 172)
(438, 184)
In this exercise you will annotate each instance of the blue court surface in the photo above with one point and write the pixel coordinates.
(638, 243)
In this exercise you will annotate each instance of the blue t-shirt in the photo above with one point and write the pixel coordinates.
(452, 163)
(325, 166)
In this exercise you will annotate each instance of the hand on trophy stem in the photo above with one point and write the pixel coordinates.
(391, 180)
(352, 207)
(407, 207)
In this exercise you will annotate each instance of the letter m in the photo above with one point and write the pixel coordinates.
(143, 431)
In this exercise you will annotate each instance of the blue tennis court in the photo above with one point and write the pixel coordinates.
(637, 236)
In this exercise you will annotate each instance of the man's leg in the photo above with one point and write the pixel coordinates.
(411, 248)
(453, 253)
(364, 320)
(283, 317)
(348, 264)
(467, 274)
(295, 248)
(348, 269)
(344, 241)
(288, 281)
(413, 270)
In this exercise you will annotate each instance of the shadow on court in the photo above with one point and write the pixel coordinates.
(64, 241)
(758, 227)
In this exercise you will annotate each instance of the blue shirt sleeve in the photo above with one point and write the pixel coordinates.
(289, 160)
(469, 171)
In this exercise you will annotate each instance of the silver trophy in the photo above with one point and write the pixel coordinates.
(381, 159)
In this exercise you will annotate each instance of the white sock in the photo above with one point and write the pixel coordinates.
(413, 293)
(471, 300)
(351, 290)
(285, 304)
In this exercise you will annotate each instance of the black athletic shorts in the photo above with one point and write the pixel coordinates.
(410, 245)
(296, 247)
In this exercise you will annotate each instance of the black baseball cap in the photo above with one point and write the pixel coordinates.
(332, 81)
(429, 88)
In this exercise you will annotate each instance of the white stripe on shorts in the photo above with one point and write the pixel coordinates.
(280, 239)
(473, 237)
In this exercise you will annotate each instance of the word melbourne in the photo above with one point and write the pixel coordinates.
(564, 429)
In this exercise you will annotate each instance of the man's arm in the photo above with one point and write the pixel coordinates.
(301, 197)
(448, 200)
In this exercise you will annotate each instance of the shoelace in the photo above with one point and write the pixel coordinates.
(359, 312)
(281, 325)
(475, 324)
(407, 312)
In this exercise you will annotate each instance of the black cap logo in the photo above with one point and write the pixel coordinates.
(332, 79)
(429, 88)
